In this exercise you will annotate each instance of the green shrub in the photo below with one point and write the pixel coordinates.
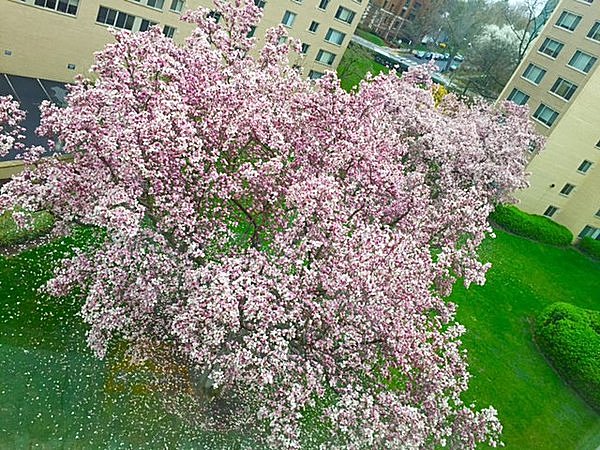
(10, 233)
(570, 338)
(537, 228)
(590, 247)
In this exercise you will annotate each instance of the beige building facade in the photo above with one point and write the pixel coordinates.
(56, 39)
(559, 80)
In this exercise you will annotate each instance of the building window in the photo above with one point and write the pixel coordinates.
(545, 115)
(323, 4)
(563, 88)
(534, 73)
(582, 61)
(345, 15)
(145, 24)
(313, 26)
(595, 32)
(550, 211)
(520, 98)
(177, 5)
(584, 166)
(305, 48)
(288, 18)
(114, 18)
(597, 213)
(169, 31)
(260, 3)
(251, 32)
(598, 144)
(156, 4)
(568, 21)
(590, 231)
(335, 37)
(325, 57)
(551, 47)
(567, 189)
(71, 66)
(64, 6)
(314, 75)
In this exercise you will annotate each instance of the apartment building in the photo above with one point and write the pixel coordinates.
(389, 18)
(559, 80)
(56, 39)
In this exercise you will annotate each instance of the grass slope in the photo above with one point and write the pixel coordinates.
(537, 408)
(53, 392)
(371, 37)
(355, 64)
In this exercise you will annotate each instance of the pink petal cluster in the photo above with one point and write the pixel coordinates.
(10, 130)
(286, 242)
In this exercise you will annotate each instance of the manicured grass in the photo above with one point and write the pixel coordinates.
(355, 64)
(537, 408)
(370, 37)
(53, 393)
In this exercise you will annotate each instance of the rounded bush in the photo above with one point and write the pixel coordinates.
(532, 226)
(570, 338)
(11, 234)
(590, 247)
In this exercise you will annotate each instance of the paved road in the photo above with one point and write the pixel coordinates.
(405, 60)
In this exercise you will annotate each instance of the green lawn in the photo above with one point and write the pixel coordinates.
(537, 409)
(370, 37)
(54, 394)
(355, 64)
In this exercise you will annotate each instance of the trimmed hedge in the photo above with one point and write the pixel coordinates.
(11, 234)
(532, 226)
(570, 338)
(590, 247)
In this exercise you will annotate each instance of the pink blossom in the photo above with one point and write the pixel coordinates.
(287, 243)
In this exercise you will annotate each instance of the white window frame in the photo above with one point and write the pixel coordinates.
(596, 32)
(325, 57)
(169, 31)
(345, 15)
(177, 6)
(576, 18)
(569, 188)
(288, 19)
(548, 41)
(333, 32)
(58, 5)
(537, 115)
(550, 211)
(135, 20)
(558, 83)
(585, 166)
(589, 66)
(534, 67)
(514, 93)
(147, 4)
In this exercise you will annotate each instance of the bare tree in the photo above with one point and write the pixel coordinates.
(462, 22)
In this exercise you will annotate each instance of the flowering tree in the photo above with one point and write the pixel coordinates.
(286, 244)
